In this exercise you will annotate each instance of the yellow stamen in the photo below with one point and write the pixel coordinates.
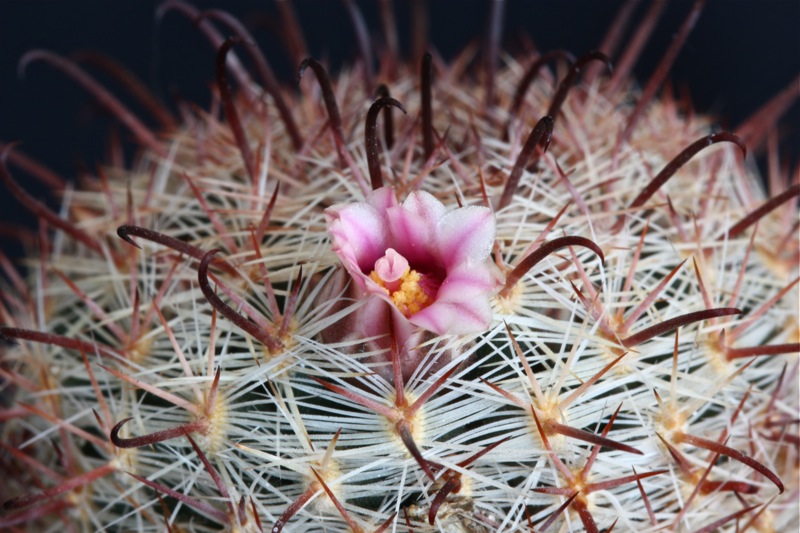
(408, 297)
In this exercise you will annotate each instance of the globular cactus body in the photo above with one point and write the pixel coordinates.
(310, 314)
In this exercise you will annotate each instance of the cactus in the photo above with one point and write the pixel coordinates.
(453, 302)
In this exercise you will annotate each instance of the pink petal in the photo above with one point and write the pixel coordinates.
(463, 301)
(455, 318)
(382, 199)
(413, 237)
(425, 206)
(359, 235)
(414, 229)
(466, 235)
(468, 278)
(371, 321)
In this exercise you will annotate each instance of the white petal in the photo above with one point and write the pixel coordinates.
(359, 235)
(426, 206)
(466, 235)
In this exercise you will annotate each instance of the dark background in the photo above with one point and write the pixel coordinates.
(741, 53)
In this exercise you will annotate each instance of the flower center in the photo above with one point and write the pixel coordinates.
(404, 286)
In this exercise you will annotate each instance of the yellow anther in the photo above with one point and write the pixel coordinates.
(406, 290)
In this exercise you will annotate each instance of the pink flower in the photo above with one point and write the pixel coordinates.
(430, 265)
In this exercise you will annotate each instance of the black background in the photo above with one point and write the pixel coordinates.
(741, 53)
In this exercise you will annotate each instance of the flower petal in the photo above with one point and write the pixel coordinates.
(462, 303)
(455, 318)
(413, 229)
(413, 237)
(426, 206)
(466, 235)
(359, 235)
(382, 199)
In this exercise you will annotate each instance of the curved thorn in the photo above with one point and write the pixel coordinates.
(740, 487)
(240, 321)
(541, 133)
(543, 251)
(268, 80)
(371, 138)
(215, 477)
(661, 71)
(122, 232)
(681, 159)
(492, 51)
(292, 510)
(34, 168)
(114, 434)
(426, 73)
(126, 230)
(733, 454)
(768, 206)
(200, 506)
(529, 76)
(453, 484)
(411, 446)
(103, 96)
(674, 323)
(388, 124)
(39, 209)
(151, 438)
(230, 108)
(769, 349)
(9, 334)
(330, 102)
(569, 80)
(264, 222)
(363, 40)
(132, 83)
(208, 30)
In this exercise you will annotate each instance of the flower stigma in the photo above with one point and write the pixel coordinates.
(406, 287)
